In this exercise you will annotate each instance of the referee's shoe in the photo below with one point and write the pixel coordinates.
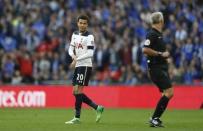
(155, 122)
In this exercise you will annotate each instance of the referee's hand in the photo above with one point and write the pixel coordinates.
(165, 54)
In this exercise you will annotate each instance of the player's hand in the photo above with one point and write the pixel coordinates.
(74, 58)
(72, 65)
(165, 54)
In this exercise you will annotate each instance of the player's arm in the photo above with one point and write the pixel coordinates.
(71, 49)
(90, 49)
(71, 52)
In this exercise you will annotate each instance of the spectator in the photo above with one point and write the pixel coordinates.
(41, 29)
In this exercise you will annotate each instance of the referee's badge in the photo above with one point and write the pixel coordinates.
(147, 42)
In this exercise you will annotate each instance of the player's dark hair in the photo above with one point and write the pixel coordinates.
(83, 17)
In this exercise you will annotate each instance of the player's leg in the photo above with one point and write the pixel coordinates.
(78, 97)
(88, 101)
(77, 92)
(99, 109)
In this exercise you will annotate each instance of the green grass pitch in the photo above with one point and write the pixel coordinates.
(112, 120)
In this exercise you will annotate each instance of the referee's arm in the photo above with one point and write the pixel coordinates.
(147, 49)
(150, 52)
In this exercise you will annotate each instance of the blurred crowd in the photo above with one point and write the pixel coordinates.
(35, 33)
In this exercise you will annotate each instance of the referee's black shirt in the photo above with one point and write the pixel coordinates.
(154, 40)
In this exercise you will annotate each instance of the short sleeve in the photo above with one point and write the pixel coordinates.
(90, 42)
(150, 39)
(72, 43)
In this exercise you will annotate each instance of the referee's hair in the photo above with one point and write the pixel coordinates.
(156, 17)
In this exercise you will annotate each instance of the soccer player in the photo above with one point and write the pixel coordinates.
(81, 50)
(155, 50)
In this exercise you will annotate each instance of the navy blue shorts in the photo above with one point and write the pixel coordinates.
(82, 76)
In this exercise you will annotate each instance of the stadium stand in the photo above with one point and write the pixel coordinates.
(34, 34)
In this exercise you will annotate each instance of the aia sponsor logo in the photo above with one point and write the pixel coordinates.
(79, 45)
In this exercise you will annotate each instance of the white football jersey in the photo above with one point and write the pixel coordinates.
(81, 42)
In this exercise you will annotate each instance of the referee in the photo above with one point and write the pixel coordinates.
(155, 50)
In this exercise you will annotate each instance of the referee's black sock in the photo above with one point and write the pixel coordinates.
(161, 106)
(88, 101)
(78, 104)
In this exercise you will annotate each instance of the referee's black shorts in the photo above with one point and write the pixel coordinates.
(81, 76)
(160, 77)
